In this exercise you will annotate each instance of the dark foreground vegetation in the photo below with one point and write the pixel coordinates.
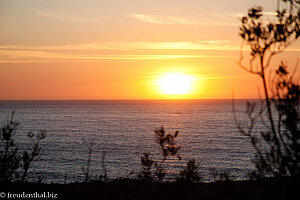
(283, 188)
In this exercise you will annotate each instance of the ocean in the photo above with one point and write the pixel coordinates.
(124, 130)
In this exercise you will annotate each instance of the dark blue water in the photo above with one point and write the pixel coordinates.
(125, 130)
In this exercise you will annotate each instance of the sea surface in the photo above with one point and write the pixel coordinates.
(124, 130)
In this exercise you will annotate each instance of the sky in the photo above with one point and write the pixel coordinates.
(108, 49)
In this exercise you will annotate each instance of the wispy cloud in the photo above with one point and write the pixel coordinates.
(220, 18)
(40, 56)
(161, 19)
(178, 45)
(62, 16)
(218, 76)
(226, 14)
(236, 14)
(208, 19)
(270, 13)
(113, 51)
(225, 18)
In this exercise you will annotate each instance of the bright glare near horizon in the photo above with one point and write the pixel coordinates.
(176, 83)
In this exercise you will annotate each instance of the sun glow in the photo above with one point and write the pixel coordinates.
(176, 83)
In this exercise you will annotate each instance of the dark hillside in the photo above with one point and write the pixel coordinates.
(133, 189)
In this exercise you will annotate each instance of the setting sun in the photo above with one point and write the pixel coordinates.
(176, 84)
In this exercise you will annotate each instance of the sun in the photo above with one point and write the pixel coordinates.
(176, 83)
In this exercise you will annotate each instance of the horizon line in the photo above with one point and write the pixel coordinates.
(129, 99)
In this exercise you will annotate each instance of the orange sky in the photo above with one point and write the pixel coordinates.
(119, 50)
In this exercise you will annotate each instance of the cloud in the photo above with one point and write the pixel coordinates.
(112, 51)
(160, 19)
(209, 19)
(197, 45)
(220, 19)
(270, 13)
(236, 14)
(227, 14)
(116, 51)
(178, 45)
(62, 16)
(225, 18)
(40, 57)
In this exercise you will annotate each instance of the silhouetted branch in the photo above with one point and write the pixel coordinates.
(280, 141)
(86, 170)
(11, 161)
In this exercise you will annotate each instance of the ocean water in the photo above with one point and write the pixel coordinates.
(124, 129)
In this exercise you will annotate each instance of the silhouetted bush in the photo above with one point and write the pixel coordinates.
(168, 148)
(277, 146)
(287, 102)
(190, 173)
(14, 165)
(220, 175)
(147, 163)
(167, 143)
(153, 170)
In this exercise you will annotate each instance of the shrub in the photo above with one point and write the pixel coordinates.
(14, 165)
(277, 146)
(153, 170)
